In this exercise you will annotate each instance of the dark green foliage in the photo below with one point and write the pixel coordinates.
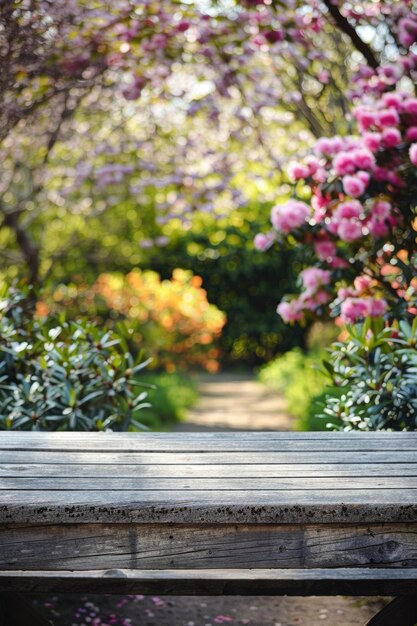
(171, 396)
(376, 370)
(244, 283)
(60, 375)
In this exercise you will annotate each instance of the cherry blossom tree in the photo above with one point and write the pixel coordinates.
(62, 62)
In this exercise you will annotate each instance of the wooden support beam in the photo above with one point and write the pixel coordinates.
(401, 611)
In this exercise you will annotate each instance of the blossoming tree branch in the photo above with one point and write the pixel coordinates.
(357, 231)
(127, 59)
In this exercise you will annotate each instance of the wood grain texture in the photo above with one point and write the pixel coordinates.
(231, 470)
(202, 443)
(216, 485)
(209, 458)
(345, 506)
(149, 546)
(354, 581)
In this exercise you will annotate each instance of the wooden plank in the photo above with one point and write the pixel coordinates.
(320, 505)
(149, 546)
(323, 470)
(348, 581)
(208, 458)
(167, 442)
(256, 483)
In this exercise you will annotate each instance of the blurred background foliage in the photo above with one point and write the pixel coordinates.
(135, 204)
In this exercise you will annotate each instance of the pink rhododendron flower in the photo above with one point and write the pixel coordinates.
(372, 141)
(296, 171)
(389, 117)
(349, 230)
(410, 106)
(378, 228)
(391, 137)
(413, 154)
(290, 311)
(411, 133)
(381, 209)
(348, 209)
(353, 186)
(325, 249)
(379, 307)
(353, 309)
(343, 163)
(263, 241)
(365, 118)
(313, 278)
(363, 159)
(393, 100)
(362, 283)
(292, 214)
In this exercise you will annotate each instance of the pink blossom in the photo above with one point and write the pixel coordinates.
(372, 141)
(381, 209)
(413, 154)
(378, 307)
(391, 137)
(363, 159)
(297, 171)
(364, 176)
(327, 146)
(388, 117)
(354, 186)
(345, 292)
(292, 214)
(290, 311)
(393, 100)
(343, 163)
(365, 118)
(325, 249)
(411, 133)
(410, 106)
(362, 283)
(313, 165)
(353, 309)
(349, 209)
(314, 277)
(263, 241)
(378, 228)
(349, 230)
(337, 262)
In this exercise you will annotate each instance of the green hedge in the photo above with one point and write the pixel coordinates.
(299, 377)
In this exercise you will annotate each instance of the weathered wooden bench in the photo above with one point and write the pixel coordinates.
(226, 513)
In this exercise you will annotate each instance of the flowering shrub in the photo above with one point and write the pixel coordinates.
(174, 319)
(58, 375)
(376, 369)
(360, 224)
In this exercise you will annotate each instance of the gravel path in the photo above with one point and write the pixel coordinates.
(228, 402)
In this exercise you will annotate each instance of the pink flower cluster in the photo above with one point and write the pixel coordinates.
(292, 214)
(358, 185)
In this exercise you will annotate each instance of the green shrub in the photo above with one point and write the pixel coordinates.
(172, 394)
(299, 377)
(376, 371)
(60, 375)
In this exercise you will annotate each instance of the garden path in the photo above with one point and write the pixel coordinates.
(236, 402)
